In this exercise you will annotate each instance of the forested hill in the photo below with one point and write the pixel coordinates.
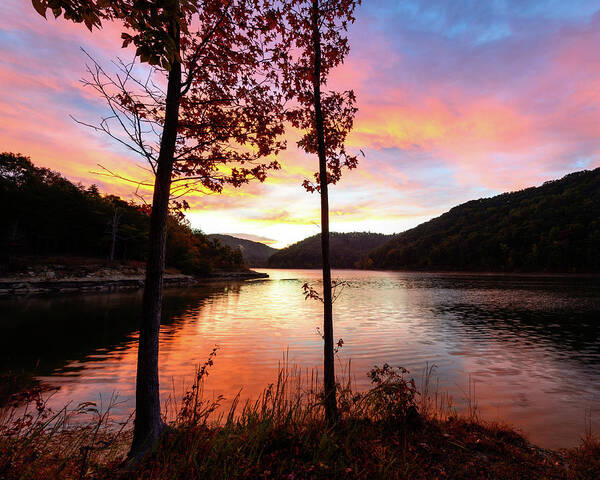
(44, 214)
(346, 250)
(255, 254)
(551, 228)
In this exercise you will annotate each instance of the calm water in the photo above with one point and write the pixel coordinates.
(530, 345)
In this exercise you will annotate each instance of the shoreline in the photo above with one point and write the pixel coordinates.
(466, 273)
(23, 286)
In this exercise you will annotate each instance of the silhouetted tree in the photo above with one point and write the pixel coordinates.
(218, 110)
(314, 35)
(114, 231)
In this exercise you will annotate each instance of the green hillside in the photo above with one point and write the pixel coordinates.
(553, 228)
(255, 254)
(346, 250)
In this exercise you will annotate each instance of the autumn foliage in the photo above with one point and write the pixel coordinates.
(338, 107)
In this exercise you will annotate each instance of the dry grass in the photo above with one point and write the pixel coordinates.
(391, 431)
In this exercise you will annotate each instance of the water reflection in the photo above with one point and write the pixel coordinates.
(529, 344)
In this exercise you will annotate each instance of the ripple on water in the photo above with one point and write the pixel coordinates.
(528, 345)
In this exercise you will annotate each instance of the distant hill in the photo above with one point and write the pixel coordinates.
(255, 254)
(346, 250)
(554, 228)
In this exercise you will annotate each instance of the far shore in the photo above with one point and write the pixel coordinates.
(93, 276)
(471, 273)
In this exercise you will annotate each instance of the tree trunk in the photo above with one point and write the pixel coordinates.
(331, 412)
(148, 422)
(115, 228)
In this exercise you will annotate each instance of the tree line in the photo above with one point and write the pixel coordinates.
(346, 250)
(255, 254)
(551, 228)
(44, 214)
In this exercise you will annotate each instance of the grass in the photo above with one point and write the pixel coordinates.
(391, 431)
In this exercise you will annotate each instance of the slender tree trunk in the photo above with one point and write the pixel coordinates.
(331, 412)
(148, 422)
(115, 228)
(14, 232)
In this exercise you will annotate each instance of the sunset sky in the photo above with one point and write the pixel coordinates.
(458, 99)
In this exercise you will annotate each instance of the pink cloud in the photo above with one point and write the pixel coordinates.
(440, 120)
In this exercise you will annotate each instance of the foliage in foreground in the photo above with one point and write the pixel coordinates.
(391, 431)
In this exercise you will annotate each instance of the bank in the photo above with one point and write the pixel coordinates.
(72, 276)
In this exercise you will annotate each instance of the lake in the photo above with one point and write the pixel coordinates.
(529, 346)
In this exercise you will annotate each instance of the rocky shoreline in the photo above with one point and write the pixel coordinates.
(23, 286)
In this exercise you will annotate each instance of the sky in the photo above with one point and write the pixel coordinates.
(458, 99)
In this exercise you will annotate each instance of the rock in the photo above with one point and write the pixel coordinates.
(68, 290)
